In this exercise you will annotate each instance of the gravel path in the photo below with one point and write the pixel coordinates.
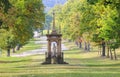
(41, 40)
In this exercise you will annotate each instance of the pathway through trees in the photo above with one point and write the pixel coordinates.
(42, 40)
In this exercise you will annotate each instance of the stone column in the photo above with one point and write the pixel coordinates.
(49, 47)
(48, 59)
(60, 46)
(59, 49)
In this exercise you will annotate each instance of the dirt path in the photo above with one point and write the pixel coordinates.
(42, 50)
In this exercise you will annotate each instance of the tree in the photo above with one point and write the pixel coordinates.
(20, 21)
(95, 20)
(5, 4)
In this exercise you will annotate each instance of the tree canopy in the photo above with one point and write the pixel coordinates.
(19, 21)
(90, 17)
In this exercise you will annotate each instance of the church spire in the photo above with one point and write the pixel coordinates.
(53, 29)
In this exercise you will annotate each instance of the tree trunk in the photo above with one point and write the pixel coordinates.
(103, 48)
(18, 47)
(88, 48)
(8, 52)
(80, 45)
(108, 51)
(111, 55)
(13, 49)
(115, 55)
(85, 45)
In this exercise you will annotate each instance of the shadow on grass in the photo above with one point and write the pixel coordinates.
(78, 51)
(91, 62)
(72, 75)
(15, 61)
(103, 65)
(75, 51)
(69, 66)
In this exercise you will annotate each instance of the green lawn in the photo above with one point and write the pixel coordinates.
(81, 64)
(29, 46)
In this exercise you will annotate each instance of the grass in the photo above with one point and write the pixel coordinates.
(81, 64)
(29, 46)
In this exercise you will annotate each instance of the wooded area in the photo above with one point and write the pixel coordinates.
(72, 38)
(95, 21)
(18, 20)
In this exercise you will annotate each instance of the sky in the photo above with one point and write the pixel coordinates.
(51, 3)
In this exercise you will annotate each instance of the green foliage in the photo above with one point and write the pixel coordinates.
(5, 4)
(18, 24)
(92, 1)
(93, 19)
(96, 38)
(68, 17)
(5, 39)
